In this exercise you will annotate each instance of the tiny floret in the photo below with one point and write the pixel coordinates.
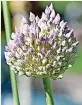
(42, 47)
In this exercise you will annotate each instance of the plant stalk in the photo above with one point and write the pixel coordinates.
(7, 22)
(48, 91)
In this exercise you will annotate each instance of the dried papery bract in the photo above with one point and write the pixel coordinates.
(45, 47)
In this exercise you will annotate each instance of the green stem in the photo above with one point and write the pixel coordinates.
(8, 30)
(48, 91)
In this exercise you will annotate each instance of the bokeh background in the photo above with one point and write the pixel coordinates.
(67, 91)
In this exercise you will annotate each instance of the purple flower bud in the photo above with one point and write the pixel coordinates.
(20, 40)
(52, 15)
(39, 23)
(63, 26)
(57, 19)
(61, 23)
(32, 17)
(55, 46)
(30, 50)
(24, 29)
(56, 32)
(37, 19)
(49, 22)
(51, 41)
(69, 34)
(38, 30)
(42, 25)
(44, 16)
(11, 45)
(47, 10)
(51, 7)
(17, 42)
(43, 50)
(51, 19)
(48, 53)
(24, 21)
(51, 36)
(32, 36)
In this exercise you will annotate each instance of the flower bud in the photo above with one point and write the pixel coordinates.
(52, 15)
(63, 43)
(69, 34)
(75, 44)
(47, 10)
(32, 17)
(20, 73)
(58, 57)
(44, 47)
(54, 63)
(51, 7)
(24, 21)
(44, 16)
(44, 61)
(57, 19)
(28, 74)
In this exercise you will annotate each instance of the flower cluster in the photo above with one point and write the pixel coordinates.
(42, 47)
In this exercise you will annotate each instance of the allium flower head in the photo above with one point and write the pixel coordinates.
(43, 47)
